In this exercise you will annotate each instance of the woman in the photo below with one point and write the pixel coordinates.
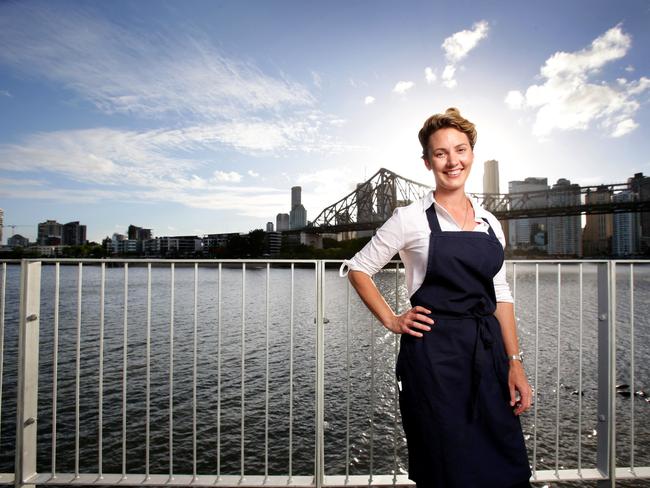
(459, 372)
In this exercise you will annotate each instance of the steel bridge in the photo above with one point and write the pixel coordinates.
(373, 202)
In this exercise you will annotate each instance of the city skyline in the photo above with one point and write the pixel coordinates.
(199, 120)
(515, 187)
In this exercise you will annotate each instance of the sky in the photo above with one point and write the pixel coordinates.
(198, 117)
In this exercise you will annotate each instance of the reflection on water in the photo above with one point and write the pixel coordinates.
(362, 395)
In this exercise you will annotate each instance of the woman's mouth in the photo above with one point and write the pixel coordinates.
(454, 172)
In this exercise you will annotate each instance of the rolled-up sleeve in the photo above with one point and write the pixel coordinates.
(501, 286)
(386, 242)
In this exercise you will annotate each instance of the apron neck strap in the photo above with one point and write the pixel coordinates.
(434, 225)
(490, 230)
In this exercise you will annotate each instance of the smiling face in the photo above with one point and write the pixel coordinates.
(450, 157)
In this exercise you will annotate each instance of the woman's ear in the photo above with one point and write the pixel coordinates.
(426, 163)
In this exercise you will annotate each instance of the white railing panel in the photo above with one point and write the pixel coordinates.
(274, 373)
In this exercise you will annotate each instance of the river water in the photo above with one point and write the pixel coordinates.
(359, 378)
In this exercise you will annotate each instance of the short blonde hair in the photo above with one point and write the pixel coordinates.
(451, 118)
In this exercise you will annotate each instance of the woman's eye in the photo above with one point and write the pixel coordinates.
(462, 149)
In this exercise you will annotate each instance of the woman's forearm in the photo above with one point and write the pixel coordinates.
(517, 381)
(505, 314)
(412, 322)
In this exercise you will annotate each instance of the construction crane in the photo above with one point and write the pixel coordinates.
(13, 227)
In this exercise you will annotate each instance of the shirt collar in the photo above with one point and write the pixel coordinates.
(429, 199)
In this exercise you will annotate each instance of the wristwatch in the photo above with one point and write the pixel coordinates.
(518, 357)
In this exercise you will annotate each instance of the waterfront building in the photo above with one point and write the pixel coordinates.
(597, 234)
(491, 176)
(121, 244)
(212, 241)
(564, 233)
(172, 246)
(50, 233)
(269, 227)
(640, 185)
(47, 251)
(185, 246)
(298, 213)
(282, 222)
(74, 234)
(529, 233)
(272, 243)
(138, 233)
(2, 223)
(17, 240)
(626, 236)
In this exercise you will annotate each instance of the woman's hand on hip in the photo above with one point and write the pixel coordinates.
(411, 321)
(517, 382)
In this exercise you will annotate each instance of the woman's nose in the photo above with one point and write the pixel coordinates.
(453, 159)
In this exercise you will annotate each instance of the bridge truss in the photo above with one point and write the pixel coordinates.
(373, 201)
(371, 204)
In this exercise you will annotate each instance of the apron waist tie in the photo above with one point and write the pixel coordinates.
(483, 352)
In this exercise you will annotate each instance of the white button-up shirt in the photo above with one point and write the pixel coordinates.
(407, 232)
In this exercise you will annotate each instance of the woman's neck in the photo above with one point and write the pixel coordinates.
(453, 199)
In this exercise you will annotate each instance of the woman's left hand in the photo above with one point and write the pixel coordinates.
(517, 382)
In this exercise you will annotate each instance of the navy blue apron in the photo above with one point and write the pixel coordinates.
(461, 431)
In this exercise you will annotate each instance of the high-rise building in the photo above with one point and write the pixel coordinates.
(597, 234)
(74, 234)
(565, 232)
(530, 232)
(298, 217)
(491, 176)
(298, 214)
(2, 223)
(282, 222)
(626, 236)
(386, 200)
(296, 193)
(364, 202)
(640, 185)
(269, 227)
(50, 233)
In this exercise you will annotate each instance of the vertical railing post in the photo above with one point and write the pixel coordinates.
(27, 407)
(606, 454)
(319, 469)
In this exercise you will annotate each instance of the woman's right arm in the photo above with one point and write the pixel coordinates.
(407, 323)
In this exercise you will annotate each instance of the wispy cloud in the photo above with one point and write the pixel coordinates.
(369, 100)
(5, 93)
(227, 176)
(448, 76)
(316, 79)
(569, 100)
(402, 87)
(252, 173)
(429, 75)
(457, 47)
(142, 74)
(158, 165)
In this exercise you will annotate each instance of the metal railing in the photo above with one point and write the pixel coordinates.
(250, 340)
